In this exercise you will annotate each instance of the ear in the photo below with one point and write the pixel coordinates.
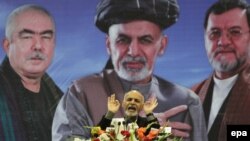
(108, 44)
(6, 45)
(164, 42)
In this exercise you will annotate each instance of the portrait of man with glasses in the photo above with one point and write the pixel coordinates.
(226, 92)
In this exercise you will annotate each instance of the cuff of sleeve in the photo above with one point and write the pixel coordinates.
(151, 117)
(109, 115)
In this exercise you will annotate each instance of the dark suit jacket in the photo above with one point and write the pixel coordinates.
(13, 124)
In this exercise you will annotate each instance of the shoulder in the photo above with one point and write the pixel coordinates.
(204, 84)
(93, 78)
(94, 84)
(88, 80)
(7, 79)
(176, 91)
(197, 87)
(246, 74)
(49, 82)
(167, 86)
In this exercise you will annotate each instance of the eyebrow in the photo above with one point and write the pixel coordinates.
(28, 31)
(147, 36)
(47, 32)
(123, 35)
(233, 27)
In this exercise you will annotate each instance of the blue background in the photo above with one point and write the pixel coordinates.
(80, 47)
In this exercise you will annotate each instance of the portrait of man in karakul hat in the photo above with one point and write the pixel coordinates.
(134, 40)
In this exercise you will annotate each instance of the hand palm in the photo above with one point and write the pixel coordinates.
(150, 105)
(113, 104)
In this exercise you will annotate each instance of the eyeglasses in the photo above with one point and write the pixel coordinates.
(232, 33)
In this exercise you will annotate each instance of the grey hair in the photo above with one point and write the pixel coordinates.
(11, 20)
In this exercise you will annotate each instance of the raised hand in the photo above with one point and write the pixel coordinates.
(113, 104)
(150, 105)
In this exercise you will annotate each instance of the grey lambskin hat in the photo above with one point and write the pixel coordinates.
(162, 12)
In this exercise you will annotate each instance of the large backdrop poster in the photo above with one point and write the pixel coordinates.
(80, 47)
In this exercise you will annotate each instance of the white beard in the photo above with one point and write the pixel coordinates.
(132, 74)
(225, 66)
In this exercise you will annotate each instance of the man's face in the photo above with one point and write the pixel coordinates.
(31, 47)
(134, 47)
(227, 40)
(132, 104)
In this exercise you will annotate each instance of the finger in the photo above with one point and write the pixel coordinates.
(155, 100)
(156, 104)
(117, 102)
(180, 126)
(174, 111)
(179, 133)
(113, 96)
(161, 122)
(109, 99)
(147, 103)
(152, 97)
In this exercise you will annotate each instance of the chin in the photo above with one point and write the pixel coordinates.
(133, 76)
(224, 66)
(131, 114)
(35, 72)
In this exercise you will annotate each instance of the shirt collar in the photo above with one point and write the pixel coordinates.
(128, 85)
(225, 83)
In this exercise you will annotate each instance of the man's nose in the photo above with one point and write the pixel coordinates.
(134, 48)
(224, 40)
(133, 101)
(37, 43)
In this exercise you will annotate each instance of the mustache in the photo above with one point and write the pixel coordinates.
(132, 106)
(222, 49)
(37, 55)
(134, 59)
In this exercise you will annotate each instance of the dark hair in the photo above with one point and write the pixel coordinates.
(223, 6)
